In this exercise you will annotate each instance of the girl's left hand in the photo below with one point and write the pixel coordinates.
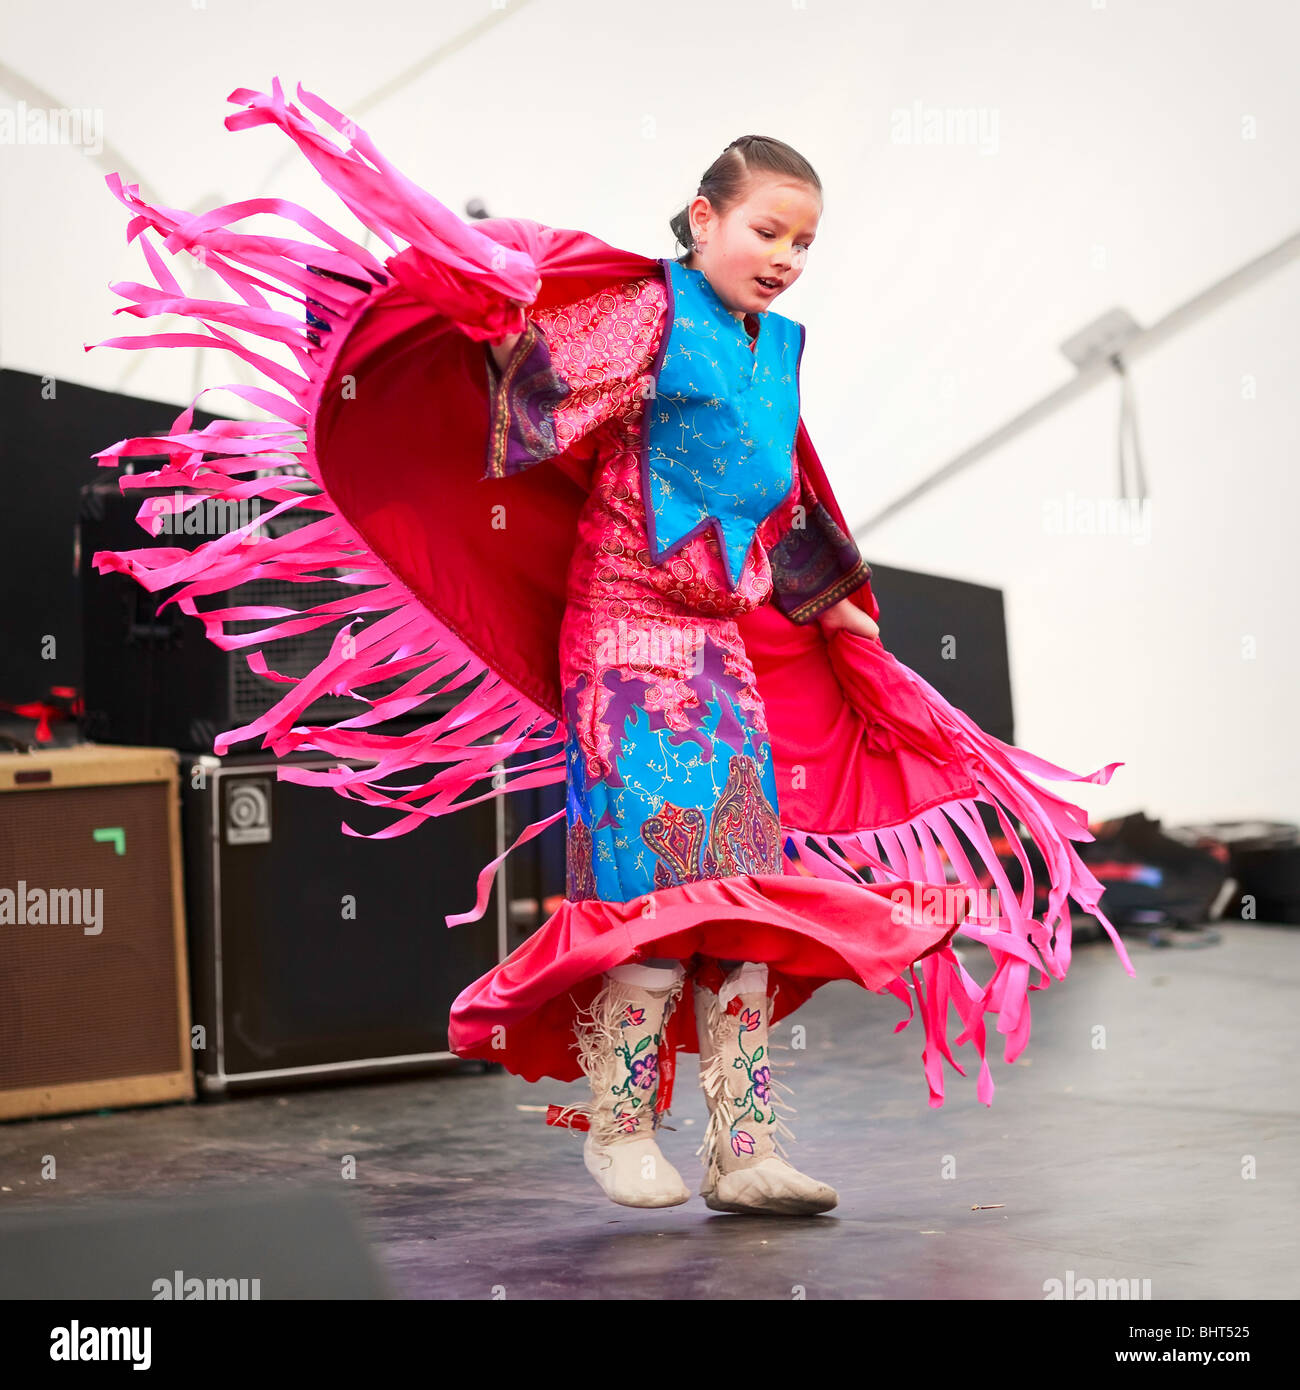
(849, 616)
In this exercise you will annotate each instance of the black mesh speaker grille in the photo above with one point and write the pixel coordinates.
(296, 655)
(152, 678)
(252, 695)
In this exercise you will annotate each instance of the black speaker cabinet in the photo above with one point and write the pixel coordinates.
(52, 428)
(953, 634)
(315, 954)
(153, 677)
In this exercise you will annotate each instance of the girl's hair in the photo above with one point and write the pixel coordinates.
(727, 178)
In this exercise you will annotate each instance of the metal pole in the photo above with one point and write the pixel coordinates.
(1174, 322)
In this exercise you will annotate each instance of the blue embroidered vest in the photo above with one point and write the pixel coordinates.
(720, 430)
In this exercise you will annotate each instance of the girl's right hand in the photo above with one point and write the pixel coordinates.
(502, 349)
(847, 616)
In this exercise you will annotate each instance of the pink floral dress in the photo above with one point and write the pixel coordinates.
(670, 772)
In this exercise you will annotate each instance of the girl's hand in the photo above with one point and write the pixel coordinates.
(849, 616)
(502, 347)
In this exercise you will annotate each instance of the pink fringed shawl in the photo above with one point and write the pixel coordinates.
(392, 404)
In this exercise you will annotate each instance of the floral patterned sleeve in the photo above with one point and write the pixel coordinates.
(575, 368)
(814, 563)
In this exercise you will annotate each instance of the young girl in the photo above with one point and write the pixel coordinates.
(577, 484)
(670, 772)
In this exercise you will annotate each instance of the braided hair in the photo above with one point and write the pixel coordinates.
(728, 177)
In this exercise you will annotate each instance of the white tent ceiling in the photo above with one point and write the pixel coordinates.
(1088, 155)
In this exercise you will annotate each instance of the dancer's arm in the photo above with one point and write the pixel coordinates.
(573, 368)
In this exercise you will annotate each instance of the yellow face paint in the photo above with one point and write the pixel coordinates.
(786, 243)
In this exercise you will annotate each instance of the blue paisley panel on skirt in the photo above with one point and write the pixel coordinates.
(678, 805)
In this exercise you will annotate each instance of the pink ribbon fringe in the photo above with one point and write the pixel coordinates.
(404, 639)
(1017, 943)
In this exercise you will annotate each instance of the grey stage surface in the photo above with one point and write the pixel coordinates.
(1169, 1155)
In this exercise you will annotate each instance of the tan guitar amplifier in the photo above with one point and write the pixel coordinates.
(94, 991)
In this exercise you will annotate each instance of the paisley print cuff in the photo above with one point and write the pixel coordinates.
(815, 567)
(521, 403)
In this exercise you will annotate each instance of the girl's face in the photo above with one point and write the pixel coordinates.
(757, 249)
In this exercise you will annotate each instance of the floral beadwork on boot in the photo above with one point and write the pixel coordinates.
(619, 1045)
(618, 1038)
(745, 1167)
(640, 1084)
(759, 1091)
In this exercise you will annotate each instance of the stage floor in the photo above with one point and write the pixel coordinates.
(1128, 1161)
